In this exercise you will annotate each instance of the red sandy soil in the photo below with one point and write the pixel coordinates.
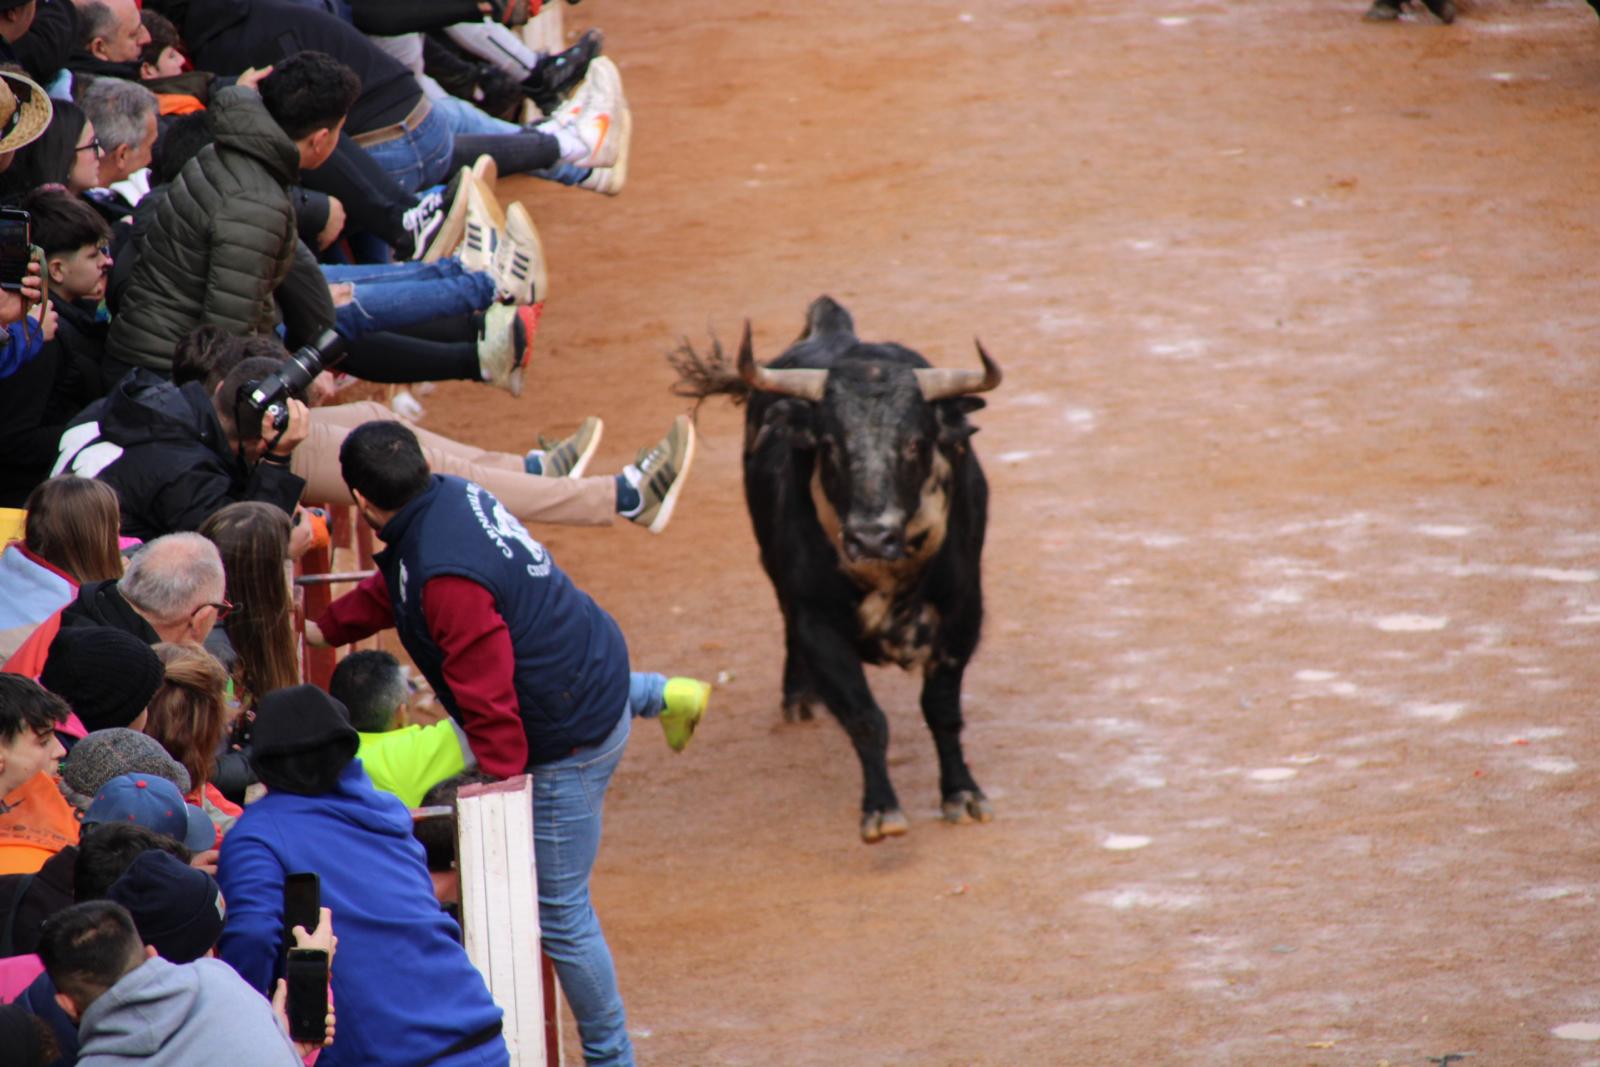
(1294, 561)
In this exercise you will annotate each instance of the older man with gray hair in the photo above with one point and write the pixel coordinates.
(173, 591)
(124, 116)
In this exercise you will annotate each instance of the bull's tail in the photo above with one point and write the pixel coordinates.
(702, 376)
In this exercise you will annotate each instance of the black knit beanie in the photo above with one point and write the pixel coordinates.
(303, 740)
(107, 675)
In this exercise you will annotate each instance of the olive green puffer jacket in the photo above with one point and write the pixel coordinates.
(222, 244)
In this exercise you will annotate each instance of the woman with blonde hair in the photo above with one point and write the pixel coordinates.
(69, 540)
(189, 716)
(253, 538)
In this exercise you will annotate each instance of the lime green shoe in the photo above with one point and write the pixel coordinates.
(686, 700)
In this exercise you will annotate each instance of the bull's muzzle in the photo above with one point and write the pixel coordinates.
(874, 540)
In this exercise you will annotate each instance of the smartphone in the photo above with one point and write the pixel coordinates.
(302, 905)
(307, 1007)
(16, 247)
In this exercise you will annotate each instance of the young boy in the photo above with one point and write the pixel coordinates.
(47, 391)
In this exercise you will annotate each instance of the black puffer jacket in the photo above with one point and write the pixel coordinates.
(162, 449)
(221, 243)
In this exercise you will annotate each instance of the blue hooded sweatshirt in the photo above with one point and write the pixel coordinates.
(403, 987)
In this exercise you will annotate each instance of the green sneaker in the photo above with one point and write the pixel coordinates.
(569, 457)
(658, 476)
(686, 700)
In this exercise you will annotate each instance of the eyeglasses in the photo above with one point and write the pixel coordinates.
(224, 609)
(94, 143)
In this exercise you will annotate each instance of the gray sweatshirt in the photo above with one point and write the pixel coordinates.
(182, 1014)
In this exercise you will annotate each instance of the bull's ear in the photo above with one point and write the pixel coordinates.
(789, 419)
(952, 414)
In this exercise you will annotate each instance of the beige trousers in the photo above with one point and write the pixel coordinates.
(570, 501)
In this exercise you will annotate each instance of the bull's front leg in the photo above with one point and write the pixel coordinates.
(799, 692)
(840, 681)
(961, 799)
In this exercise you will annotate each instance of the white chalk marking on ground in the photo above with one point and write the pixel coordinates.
(1304, 758)
(1539, 733)
(1146, 899)
(1503, 76)
(1273, 774)
(1344, 689)
(1162, 540)
(1173, 20)
(1143, 246)
(1552, 765)
(1556, 574)
(1578, 1031)
(1446, 712)
(1080, 418)
(1556, 892)
(1020, 457)
(1432, 530)
(1411, 624)
(1315, 676)
(964, 17)
(1589, 616)
(1124, 842)
(1188, 348)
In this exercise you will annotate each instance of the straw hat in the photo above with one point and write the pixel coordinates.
(24, 111)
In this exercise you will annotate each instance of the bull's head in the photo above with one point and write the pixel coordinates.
(885, 435)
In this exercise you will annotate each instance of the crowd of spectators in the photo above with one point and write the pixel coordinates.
(211, 211)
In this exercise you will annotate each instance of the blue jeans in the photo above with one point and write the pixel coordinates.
(419, 159)
(462, 117)
(568, 802)
(392, 296)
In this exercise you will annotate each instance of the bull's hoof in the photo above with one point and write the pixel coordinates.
(877, 825)
(969, 805)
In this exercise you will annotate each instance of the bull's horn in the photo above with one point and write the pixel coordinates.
(805, 384)
(940, 384)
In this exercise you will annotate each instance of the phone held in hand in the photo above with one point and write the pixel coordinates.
(16, 247)
(302, 905)
(307, 1003)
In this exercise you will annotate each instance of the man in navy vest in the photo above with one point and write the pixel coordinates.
(531, 667)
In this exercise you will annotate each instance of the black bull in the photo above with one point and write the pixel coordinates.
(870, 507)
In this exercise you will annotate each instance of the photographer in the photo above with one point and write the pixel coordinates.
(176, 454)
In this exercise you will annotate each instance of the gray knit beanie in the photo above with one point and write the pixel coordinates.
(104, 754)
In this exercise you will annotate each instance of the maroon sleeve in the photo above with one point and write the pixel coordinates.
(480, 669)
(362, 612)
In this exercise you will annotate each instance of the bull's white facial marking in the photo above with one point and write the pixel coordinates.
(883, 580)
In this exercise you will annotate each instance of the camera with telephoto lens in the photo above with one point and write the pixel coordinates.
(270, 395)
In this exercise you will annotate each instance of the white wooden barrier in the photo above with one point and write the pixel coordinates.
(500, 915)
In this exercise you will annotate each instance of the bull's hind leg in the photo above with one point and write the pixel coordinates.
(961, 799)
(842, 685)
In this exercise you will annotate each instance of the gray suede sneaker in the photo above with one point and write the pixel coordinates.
(568, 457)
(658, 476)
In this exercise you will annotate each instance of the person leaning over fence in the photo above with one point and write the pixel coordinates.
(531, 667)
(177, 454)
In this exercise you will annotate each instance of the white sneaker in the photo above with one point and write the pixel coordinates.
(484, 229)
(487, 171)
(608, 181)
(519, 268)
(590, 113)
(505, 343)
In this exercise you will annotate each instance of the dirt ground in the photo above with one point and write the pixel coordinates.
(1286, 698)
